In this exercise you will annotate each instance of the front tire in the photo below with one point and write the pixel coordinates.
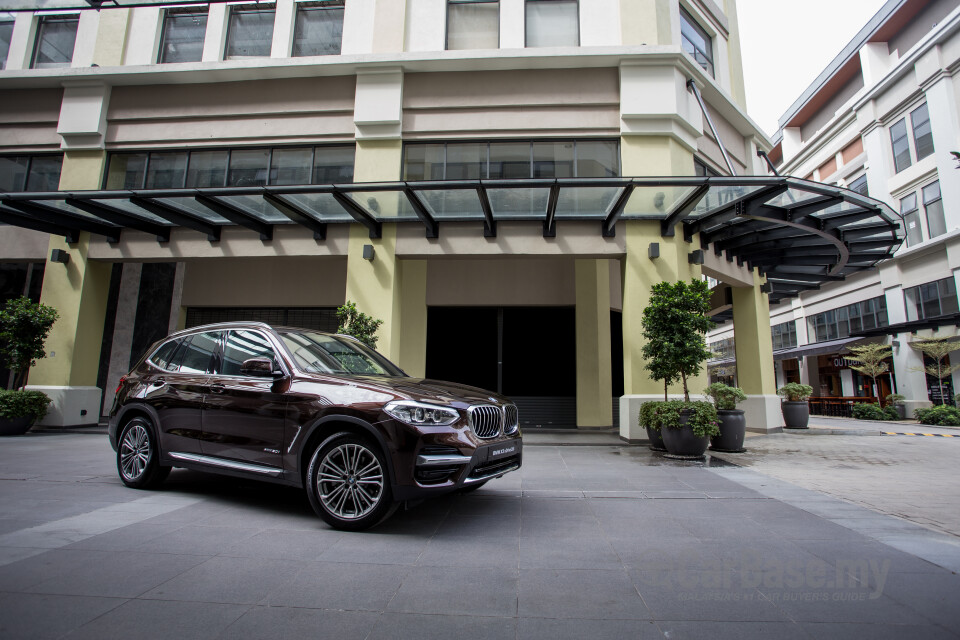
(348, 484)
(138, 458)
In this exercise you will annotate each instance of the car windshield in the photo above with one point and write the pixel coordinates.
(324, 353)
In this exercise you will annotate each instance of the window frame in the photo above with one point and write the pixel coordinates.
(915, 210)
(913, 130)
(45, 18)
(926, 212)
(446, 25)
(918, 301)
(10, 19)
(248, 8)
(693, 23)
(315, 5)
(183, 11)
(226, 172)
(852, 185)
(893, 145)
(278, 360)
(526, 23)
(836, 323)
(31, 157)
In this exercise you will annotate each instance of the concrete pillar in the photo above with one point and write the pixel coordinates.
(755, 374)
(413, 317)
(111, 37)
(637, 27)
(78, 291)
(594, 384)
(647, 155)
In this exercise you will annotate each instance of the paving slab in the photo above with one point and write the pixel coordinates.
(598, 540)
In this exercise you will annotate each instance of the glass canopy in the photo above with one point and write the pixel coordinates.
(798, 233)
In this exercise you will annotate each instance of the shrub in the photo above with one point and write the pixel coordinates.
(659, 415)
(23, 404)
(357, 324)
(896, 398)
(873, 411)
(725, 397)
(795, 392)
(941, 415)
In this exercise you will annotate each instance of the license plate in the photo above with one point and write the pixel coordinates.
(504, 449)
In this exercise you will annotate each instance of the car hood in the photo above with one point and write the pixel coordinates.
(426, 390)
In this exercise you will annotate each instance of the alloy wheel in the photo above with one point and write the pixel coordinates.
(350, 481)
(134, 452)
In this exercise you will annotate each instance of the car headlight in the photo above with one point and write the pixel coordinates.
(420, 414)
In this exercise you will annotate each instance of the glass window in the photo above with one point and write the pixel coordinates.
(126, 171)
(845, 321)
(291, 166)
(696, 42)
(933, 205)
(319, 29)
(510, 160)
(56, 37)
(243, 345)
(859, 185)
(553, 160)
(6, 34)
(911, 219)
(166, 170)
(552, 23)
(901, 145)
(207, 169)
(183, 35)
(197, 353)
(322, 353)
(13, 172)
(250, 32)
(163, 357)
(598, 159)
(466, 161)
(931, 299)
(701, 169)
(44, 173)
(922, 135)
(248, 168)
(784, 335)
(333, 165)
(473, 24)
(425, 161)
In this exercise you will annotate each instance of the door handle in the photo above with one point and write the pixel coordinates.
(217, 388)
(159, 382)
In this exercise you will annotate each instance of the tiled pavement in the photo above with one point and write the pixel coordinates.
(585, 542)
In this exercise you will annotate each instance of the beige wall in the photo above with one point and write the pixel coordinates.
(517, 282)
(23, 245)
(28, 120)
(257, 282)
(531, 103)
(314, 110)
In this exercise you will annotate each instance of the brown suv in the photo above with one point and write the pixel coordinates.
(310, 409)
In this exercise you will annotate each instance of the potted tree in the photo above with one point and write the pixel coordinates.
(897, 401)
(732, 421)
(674, 325)
(796, 410)
(24, 326)
(937, 349)
(870, 361)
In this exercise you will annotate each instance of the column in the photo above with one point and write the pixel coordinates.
(413, 317)
(755, 375)
(78, 291)
(649, 155)
(594, 384)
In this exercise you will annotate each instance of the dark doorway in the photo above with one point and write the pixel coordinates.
(526, 353)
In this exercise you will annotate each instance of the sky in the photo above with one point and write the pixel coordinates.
(786, 44)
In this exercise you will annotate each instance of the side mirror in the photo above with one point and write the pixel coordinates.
(258, 367)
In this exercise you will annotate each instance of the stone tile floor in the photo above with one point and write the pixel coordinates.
(583, 542)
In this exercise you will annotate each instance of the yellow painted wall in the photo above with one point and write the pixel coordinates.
(754, 345)
(77, 290)
(594, 385)
(389, 26)
(638, 28)
(734, 55)
(111, 37)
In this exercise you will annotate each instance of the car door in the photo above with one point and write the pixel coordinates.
(244, 415)
(175, 388)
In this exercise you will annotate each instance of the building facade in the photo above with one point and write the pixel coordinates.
(881, 120)
(498, 181)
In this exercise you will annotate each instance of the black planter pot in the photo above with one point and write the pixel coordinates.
(733, 429)
(656, 440)
(796, 414)
(901, 410)
(15, 426)
(682, 443)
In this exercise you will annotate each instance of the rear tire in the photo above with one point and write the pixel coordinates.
(138, 457)
(348, 484)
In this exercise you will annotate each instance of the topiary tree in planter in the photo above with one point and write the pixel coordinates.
(674, 326)
(24, 327)
(732, 421)
(937, 349)
(796, 410)
(357, 324)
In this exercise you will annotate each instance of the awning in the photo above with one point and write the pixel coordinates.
(800, 234)
(912, 326)
(814, 349)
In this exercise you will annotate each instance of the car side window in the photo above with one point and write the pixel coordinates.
(242, 345)
(197, 352)
(164, 356)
